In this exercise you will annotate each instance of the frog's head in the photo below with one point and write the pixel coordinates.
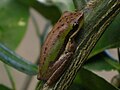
(78, 20)
(72, 18)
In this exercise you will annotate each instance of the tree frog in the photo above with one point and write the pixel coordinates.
(59, 47)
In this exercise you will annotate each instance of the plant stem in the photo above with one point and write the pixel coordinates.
(98, 17)
(95, 24)
(118, 50)
(40, 36)
(37, 29)
(27, 82)
(10, 77)
(11, 58)
(45, 31)
(41, 39)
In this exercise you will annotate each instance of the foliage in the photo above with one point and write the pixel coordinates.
(14, 19)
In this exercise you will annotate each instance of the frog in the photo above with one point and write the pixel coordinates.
(59, 47)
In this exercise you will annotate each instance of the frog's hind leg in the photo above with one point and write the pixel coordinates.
(66, 58)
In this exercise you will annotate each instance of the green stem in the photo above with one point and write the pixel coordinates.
(39, 85)
(11, 58)
(41, 40)
(40, 36)
(10, 76)
(37, 29)
(118, 50)
(95, 24)
(45, 31)
(27, 82)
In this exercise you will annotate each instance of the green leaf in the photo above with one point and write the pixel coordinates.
(102, 61)
(2, 87)
(90, 81)
(76, 86)
(66, 5)
(11, 58)
(49, 11)
(110, 39)
(13, 22)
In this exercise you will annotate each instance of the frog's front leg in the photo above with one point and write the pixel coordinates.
(60, 66)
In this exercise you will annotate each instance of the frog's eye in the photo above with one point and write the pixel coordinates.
(75, 23)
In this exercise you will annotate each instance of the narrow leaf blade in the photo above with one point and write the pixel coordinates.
(11, 58)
